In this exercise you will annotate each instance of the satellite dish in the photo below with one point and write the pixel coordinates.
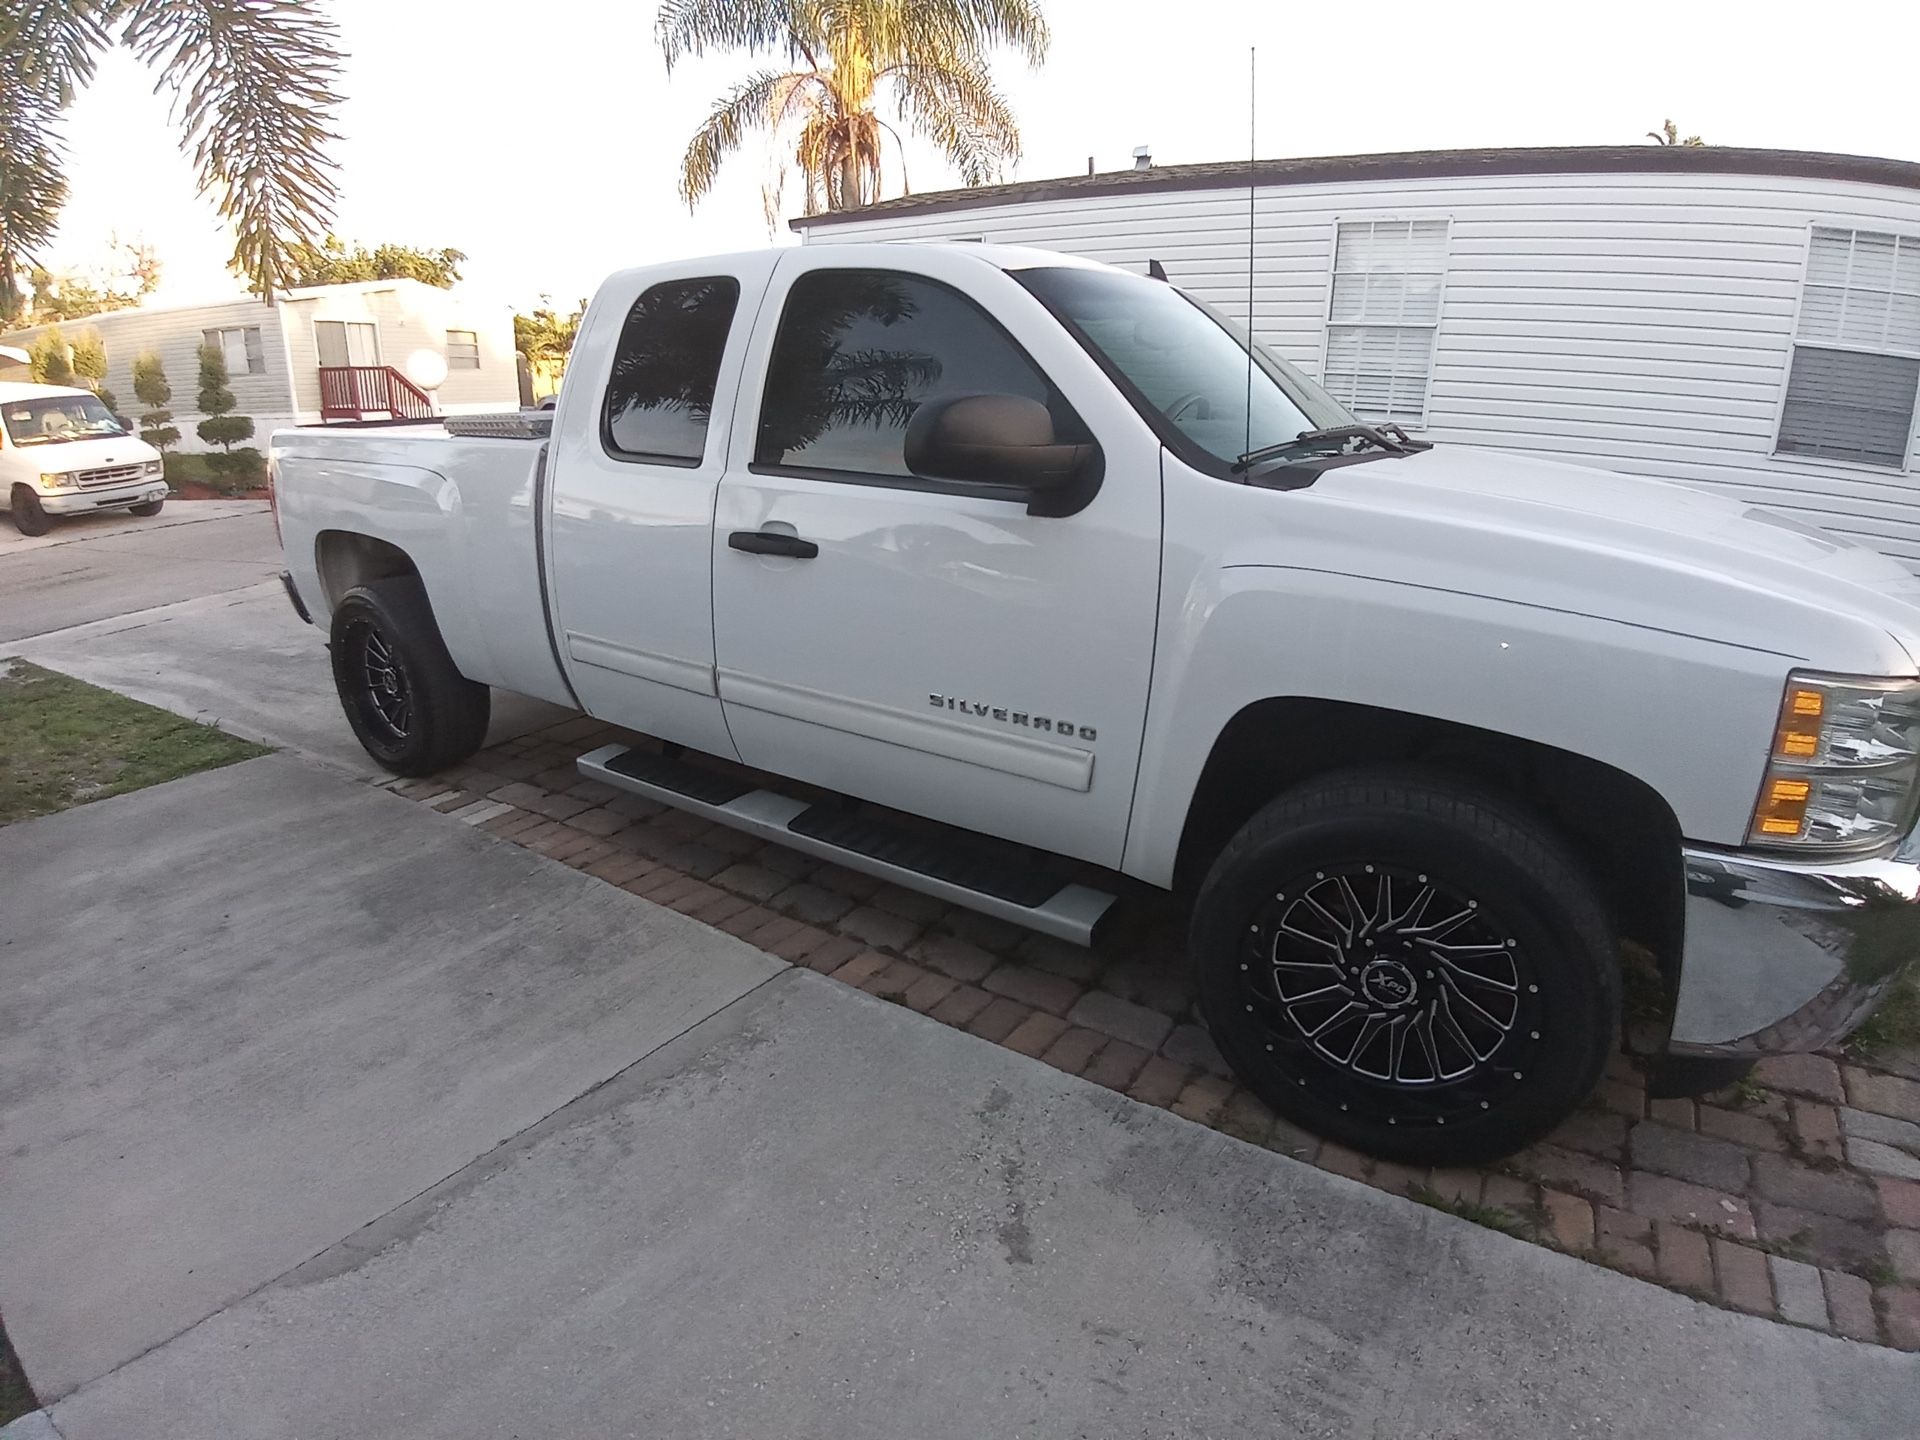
(427, 369)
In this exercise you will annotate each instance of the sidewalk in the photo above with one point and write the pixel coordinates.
(328, 1115)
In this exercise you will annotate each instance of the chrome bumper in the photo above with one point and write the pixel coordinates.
(107, 497)
(1784, 955)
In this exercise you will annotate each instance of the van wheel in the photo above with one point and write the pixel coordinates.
(29, 515)
(413, 711)
(147, 509)
(1409, 966)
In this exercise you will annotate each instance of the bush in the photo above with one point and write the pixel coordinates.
(229, 473)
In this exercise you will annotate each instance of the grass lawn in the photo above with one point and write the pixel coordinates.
(1896, 1024)
(63, 743)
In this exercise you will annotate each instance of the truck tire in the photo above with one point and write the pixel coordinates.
(29, 515)
(147, 509)
(1408, 965)
(413, 711)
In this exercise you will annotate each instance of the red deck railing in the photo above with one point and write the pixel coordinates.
(370, 392)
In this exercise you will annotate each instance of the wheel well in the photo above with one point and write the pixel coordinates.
(1624, 831)
(346, 559)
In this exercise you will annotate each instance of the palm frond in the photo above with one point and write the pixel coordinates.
(763, 101)
(693, 27)
(959, 110)
(52, 45)
(254, 81)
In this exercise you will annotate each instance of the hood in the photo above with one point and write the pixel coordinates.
(1642, 551)
(66, 455)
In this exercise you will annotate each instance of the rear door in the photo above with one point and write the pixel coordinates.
(941, 651)
(636, 463)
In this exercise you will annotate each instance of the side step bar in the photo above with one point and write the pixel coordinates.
(991, 876)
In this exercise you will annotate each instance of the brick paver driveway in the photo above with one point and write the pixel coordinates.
(1794, 1196)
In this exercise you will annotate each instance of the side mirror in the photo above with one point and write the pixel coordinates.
(1002, 440)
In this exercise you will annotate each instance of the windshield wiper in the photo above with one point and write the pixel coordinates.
(1338, 435)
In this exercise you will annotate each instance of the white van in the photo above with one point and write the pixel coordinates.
(62, 452)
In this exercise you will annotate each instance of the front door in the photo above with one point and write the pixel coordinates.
(635, 464)
(347, 342)
(940, 650)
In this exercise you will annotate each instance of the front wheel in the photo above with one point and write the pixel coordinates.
(1408, 965)
(146, 509)
(29, 515)
(413, 711)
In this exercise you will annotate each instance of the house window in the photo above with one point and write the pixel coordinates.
(1856, 353)
(1382, 315)
(346, 342)
(463, 350)
(240, 344)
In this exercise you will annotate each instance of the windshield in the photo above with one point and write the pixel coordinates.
(1185, 361)
(50, 419)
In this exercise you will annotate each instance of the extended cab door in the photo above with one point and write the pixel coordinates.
(636, 459)
(930, 645)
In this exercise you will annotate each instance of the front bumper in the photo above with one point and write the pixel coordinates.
(107, 497)
(1788, 955)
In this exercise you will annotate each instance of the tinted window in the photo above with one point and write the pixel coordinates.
(661, 393)
(860, 350)
(1184, 361)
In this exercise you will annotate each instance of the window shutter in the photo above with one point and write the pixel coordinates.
(1863, 291)
(1847, 406)
(1387, 276)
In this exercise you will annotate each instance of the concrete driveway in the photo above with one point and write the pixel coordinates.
(327, 1115)
(102, 565)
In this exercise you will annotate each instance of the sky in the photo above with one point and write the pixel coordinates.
(544, 141)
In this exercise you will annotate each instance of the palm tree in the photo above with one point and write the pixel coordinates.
(1669, 134)
(253, 82)
(929, 57)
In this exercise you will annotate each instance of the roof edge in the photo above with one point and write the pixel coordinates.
(1400, 165)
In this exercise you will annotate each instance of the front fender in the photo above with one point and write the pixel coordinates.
(1692, 719)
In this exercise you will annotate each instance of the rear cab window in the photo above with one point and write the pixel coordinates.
(659, 397)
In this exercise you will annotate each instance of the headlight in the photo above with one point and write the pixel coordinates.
(154, 467)
(56, 482)
(1845, 764)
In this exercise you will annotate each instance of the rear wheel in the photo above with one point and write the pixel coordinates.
(29, 515)
(413, 711)
(150, 507)
(1409, 966)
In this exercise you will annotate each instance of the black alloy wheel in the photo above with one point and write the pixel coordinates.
(1408, 965)
(408, 703)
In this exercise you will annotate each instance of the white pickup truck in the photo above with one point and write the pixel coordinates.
(1024, 564)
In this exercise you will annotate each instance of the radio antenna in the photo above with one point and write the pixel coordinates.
(1253, 151)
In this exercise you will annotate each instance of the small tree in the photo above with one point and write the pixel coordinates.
(221, 427)
(90, 365)
(50, 360)
(150, 387)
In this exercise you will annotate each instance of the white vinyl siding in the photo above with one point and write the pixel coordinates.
(1642, 323)
(240, 346)
(1383, 309)
(1856, 359)
(463, 350)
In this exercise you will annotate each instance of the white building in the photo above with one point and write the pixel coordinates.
(330, 352)
(1746, 320)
